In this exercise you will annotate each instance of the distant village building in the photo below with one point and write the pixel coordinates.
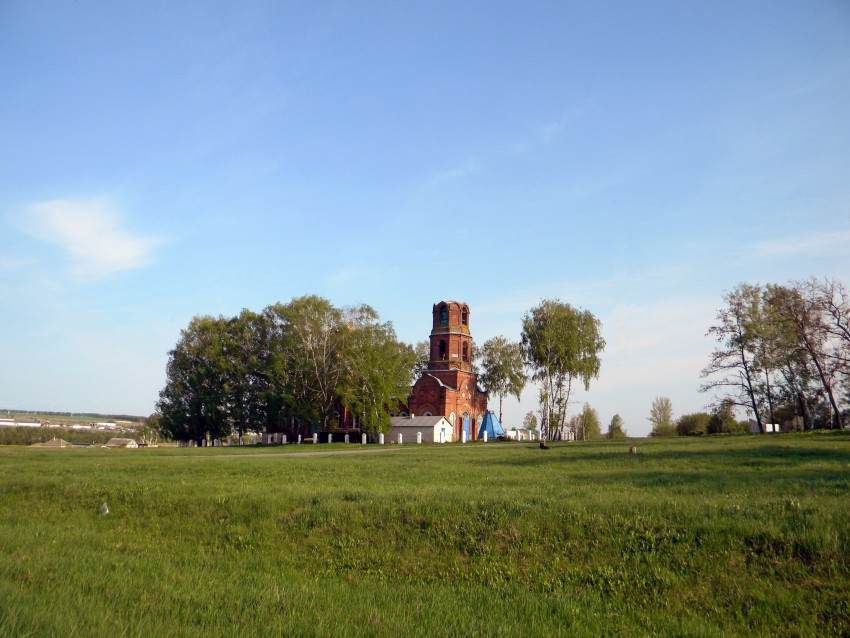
(449, 387)
(53, 443)
(14, 423)
(117, 442)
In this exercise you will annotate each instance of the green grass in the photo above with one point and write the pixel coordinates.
(744, 535)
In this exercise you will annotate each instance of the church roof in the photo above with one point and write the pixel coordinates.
(443, 385)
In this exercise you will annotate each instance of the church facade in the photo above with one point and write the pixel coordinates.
(449, 386)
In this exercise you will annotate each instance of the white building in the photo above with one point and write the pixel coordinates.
(116, 442)
(434, 429)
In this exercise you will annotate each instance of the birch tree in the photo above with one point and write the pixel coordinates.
(561, 346)
(502, 369)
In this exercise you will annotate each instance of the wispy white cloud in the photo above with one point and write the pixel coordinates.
(546, 132)
(13, 263)
(815, 243)
(551, 130)
(90, 233)
(467, 168)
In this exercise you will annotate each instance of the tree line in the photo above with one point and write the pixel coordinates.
(291, 364)
(784, 352)
(720, 420)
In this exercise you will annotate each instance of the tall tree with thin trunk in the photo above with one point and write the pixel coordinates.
(502, 369)
(733, 369)
(561, 345)
(585, 424)
(803, 307)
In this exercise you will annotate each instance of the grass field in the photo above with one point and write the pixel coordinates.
(744, 535)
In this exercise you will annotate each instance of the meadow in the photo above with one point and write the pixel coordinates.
(721, 536)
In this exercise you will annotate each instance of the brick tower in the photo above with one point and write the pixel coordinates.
(449, 387)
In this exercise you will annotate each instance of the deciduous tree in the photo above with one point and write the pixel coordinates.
(693, 424)
(661, 416)
(586, 425)
(194, 404)
(377, 369)
(560, 344)
(297, 363)
(502, 369)
(733, 369)
(529, 422)
(615, 428)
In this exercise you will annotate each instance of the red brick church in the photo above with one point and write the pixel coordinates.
(449, 387)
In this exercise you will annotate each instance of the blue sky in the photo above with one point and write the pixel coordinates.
(160, 160)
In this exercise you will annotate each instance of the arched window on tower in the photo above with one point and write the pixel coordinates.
(442, 349)
(444, 314)
(464, 316)
(466, 351)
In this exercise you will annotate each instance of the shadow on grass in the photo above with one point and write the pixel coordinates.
(774, 455)
(723, 463)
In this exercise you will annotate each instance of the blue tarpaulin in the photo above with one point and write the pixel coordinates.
(490, 424)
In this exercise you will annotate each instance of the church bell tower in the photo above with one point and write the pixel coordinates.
(451, 344)
(449, 386)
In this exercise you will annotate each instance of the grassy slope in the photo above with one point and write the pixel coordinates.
(725, 536)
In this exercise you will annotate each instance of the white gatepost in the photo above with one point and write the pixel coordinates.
(315, 438)
(346, 438)
(299, 439)
(330, 438)
(418, 438)
(400, 438)
(485, 436)
(464, 436)
(381, 438)
(363, 439)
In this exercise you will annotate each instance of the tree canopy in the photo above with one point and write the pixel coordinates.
(502, 369)
(615, 428)
(783, 350)
(661, 416)
(586, 425)
(560, 344)
(294, 363)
